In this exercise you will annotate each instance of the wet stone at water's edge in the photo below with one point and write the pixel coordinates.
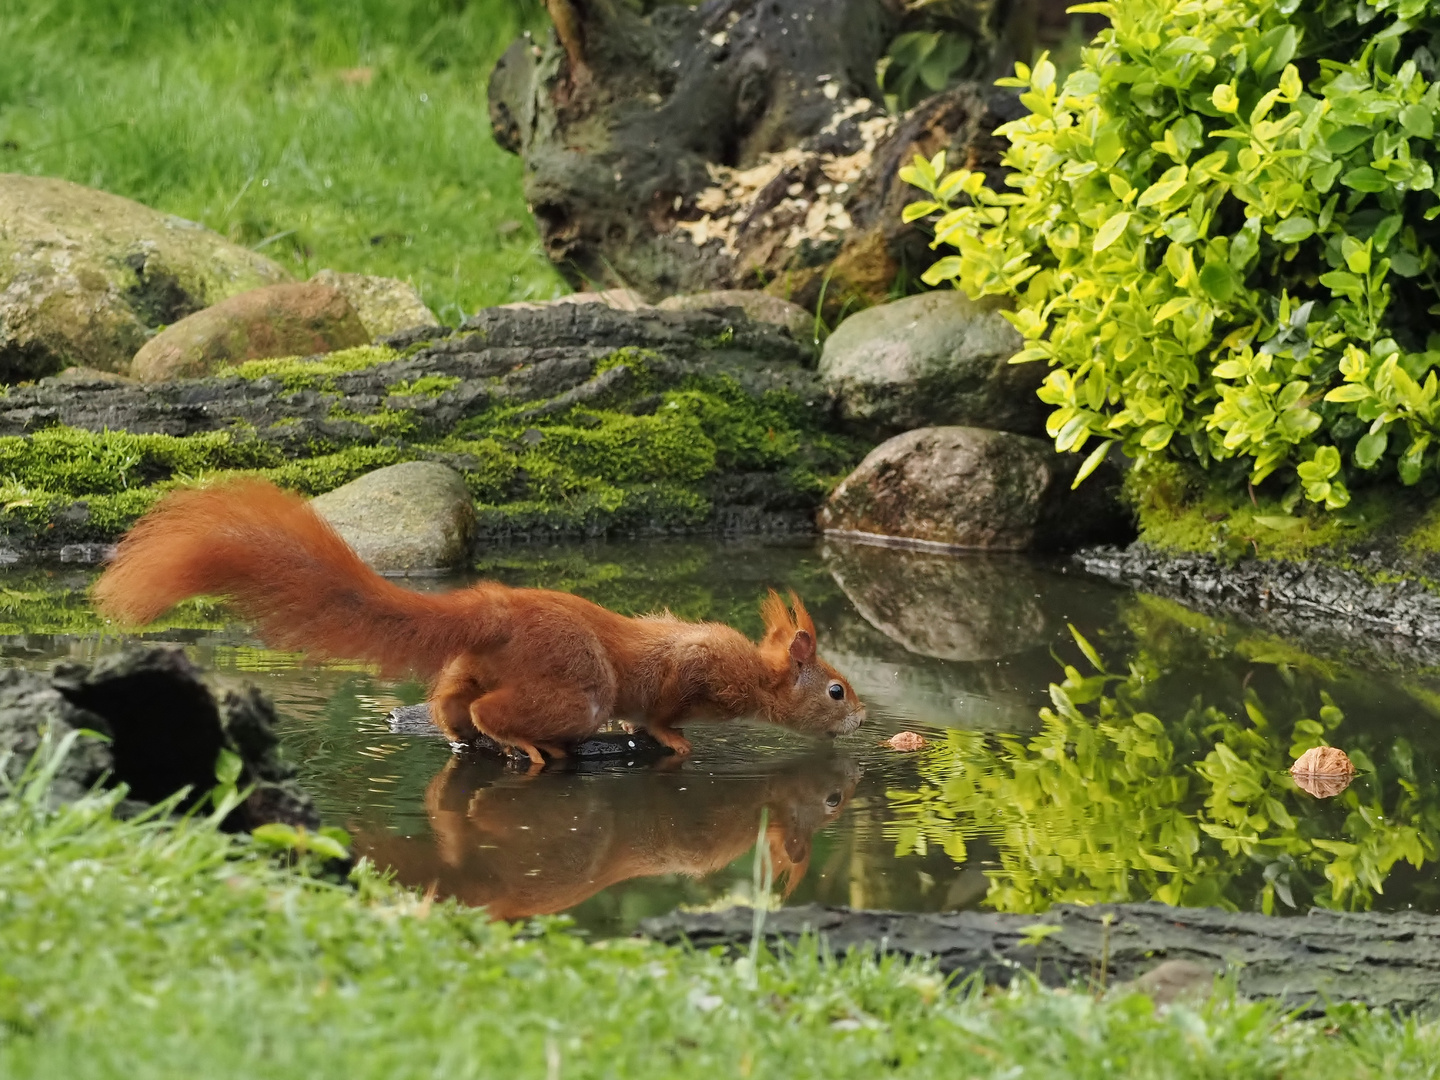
(639, 748)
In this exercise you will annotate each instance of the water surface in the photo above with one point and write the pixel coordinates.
(1160, 773)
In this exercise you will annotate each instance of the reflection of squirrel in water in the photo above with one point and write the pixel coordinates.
(543, 845)
(531, 668)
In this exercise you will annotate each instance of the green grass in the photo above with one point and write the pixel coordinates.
(161, 950)
(259, 120)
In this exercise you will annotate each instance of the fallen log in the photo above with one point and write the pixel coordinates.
(1381, 960)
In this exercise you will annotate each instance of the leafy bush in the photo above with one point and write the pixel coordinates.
(1223, 239)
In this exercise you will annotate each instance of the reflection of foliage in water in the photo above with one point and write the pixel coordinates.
(1111, 802)
(700, 580)
(43, 601)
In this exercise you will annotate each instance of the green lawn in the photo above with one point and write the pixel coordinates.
(152, 950)
(350, 134)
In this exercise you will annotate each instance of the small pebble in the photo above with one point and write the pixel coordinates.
(905, 740)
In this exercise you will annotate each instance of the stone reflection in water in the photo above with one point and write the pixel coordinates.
(538, 845)
(974, 631)
(950, 607)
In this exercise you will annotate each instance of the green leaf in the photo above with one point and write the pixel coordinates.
(1293, 229)
(1219, 280)
(1418, 120)
(1349, 392)
(1157, 437)
(1370, 449)
(228, 765)
(1111, 231)
(1087, 649)
(276, 835)
(918, 209)
(1365, 179)
(1182, 229)
(1279, 522)
(1092, 462)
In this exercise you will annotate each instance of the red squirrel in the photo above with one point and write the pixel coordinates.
(533, 669)
(523, 848)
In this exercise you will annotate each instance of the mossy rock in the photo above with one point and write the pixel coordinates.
(86, 278)
(261, 324)
(560, 423)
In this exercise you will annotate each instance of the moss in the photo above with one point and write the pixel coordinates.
(1181, 509)
(314, 372)
(1424, 537)
(58, 602)
(386, 423)
(644, 457)
(79, 462)
(424, 386)
(326, 472)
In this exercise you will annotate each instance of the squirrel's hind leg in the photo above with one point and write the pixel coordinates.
(533, 721)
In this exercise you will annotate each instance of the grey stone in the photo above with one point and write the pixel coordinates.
(385, 305)
(86, 277)
(970, 488)
(615, 299)
(408, 518)
(937, 358)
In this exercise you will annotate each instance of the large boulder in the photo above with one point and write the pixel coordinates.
(86, 277)
(278, 320)
(415, 517)
(385, 305)
(936, 358)
(970, 488)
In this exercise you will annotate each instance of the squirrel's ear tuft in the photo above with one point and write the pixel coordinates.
(778, 623)
(802, 647)
(802, 617)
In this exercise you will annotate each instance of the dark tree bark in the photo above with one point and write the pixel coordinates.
(739, 144)
(1390, 961)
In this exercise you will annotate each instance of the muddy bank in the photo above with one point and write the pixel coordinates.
(1370, 614)
(1390, 961)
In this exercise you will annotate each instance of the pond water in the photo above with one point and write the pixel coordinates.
(1044, 778)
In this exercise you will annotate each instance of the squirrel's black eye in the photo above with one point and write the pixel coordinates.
(833, 799)
(837, 691)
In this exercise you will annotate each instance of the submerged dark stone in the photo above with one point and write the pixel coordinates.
(163, 732)
(1387, 961)
(641, 748)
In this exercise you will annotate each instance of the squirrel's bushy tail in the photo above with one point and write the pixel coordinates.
(281, 565)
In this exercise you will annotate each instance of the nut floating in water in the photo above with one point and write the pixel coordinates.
(905, 740)
(1323, 771)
